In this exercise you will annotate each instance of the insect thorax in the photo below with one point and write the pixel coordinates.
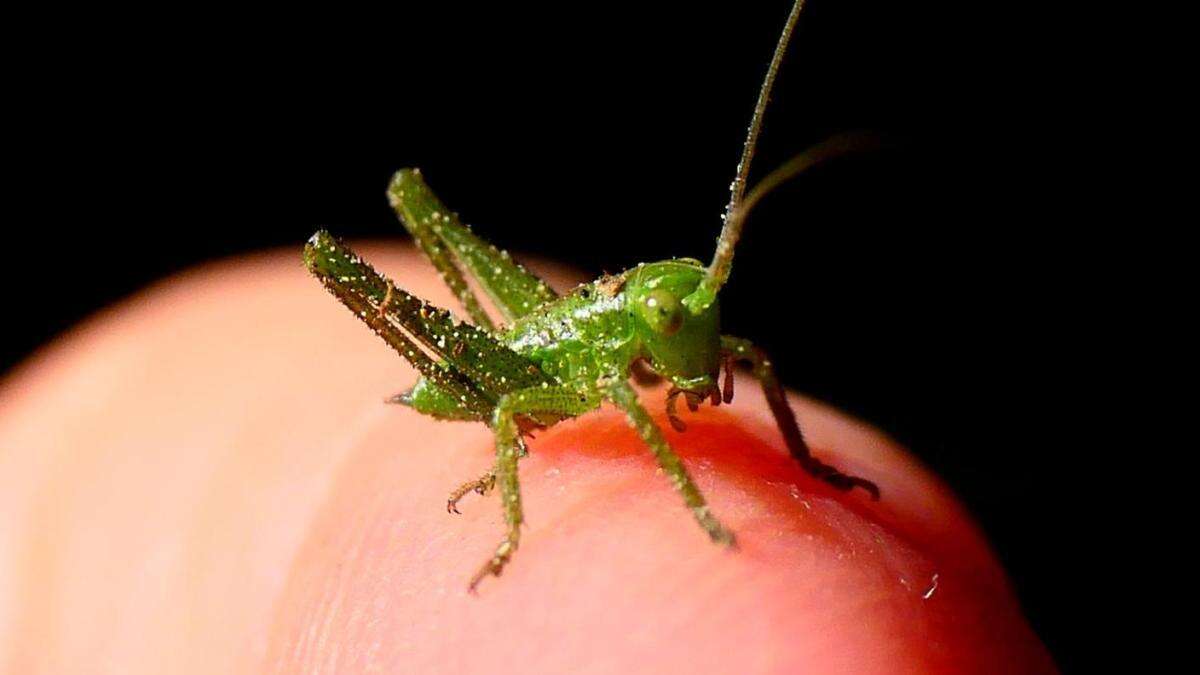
(600, 328)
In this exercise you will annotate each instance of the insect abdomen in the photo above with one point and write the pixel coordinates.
(429, 399)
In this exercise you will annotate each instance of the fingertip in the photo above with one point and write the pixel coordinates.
(816, 578)
(301, 527)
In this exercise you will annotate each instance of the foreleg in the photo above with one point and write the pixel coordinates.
(746, 352)
(625, 398)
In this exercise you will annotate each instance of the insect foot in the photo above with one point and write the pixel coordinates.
(480, 486)
(716, 531)
(495, 565)
(693, 403)
(839, 480)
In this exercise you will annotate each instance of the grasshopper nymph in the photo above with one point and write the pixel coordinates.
(560, 357)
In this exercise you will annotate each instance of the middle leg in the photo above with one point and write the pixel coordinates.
(481, 486)
(556, 400)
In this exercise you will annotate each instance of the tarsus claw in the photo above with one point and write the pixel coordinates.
(841, 481)
(479, 486)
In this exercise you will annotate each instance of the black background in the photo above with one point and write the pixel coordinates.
(908, 282)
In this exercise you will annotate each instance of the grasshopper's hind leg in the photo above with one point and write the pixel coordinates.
(746, 352)
(444, 239)
(557, 401)
(625, 398)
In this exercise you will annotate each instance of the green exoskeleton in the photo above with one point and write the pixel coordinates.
(558, 357)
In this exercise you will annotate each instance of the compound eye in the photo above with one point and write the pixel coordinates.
(664, 312)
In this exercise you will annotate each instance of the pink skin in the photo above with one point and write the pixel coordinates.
(204, 479)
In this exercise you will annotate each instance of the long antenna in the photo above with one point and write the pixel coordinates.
(738, 187)
(835, 146)
(718, 270)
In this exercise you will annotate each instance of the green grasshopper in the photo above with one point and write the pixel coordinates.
(559, 357)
